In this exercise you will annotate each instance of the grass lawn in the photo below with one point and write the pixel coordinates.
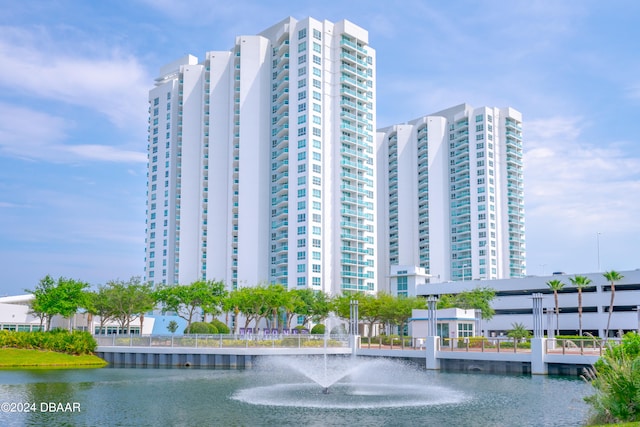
(18, 358)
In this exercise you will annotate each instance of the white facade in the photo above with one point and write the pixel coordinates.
(262, 164)
(16, 315)
(513, 303)
(451, 323)
(454, 202)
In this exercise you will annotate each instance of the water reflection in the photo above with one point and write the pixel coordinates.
(146, 397)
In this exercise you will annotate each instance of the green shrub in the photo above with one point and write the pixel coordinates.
(201, 328)
(616, 379)
(476, 342)
(63, 341)
(509, 344)
(318, 329)
(220, 326)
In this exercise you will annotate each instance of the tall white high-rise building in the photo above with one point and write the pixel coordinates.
(262, 162)
(453, 204)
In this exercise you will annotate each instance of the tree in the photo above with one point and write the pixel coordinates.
(478, 298)
(580, 282)
(129, 300)
(275, 298)
(341, 305)
(518, 331)
(295, 304)
(370, 309)
(612, 276)
(43, 301)
(52, 298)
(71, 295)
(99, 303)
(399, 309)
(188, 300)
(249, 301)
(311, 305)
(555, 285)
(172, 326)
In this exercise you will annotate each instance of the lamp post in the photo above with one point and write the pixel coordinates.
(432, 326)
(353, 325)
(598, 248)
(464, 272)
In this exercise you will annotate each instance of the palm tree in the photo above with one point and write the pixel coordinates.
(555, 286)
(580, 282)
(612, 276)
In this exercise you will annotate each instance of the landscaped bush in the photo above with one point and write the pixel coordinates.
(509, 344)
(387, 339)
(616, 379)
(318, 329)
(220, 326)
(476, 342)
(201, 328)
(76, 342)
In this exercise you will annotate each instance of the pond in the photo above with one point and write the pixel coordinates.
(276, 393)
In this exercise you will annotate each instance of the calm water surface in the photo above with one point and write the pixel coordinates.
(262, 397)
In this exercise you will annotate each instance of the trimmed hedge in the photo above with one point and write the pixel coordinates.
(202, 328)
(221, 327)
(318, 329)
(63, 341)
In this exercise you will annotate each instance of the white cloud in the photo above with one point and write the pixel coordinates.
(106, 153)
(576, 187)
(33, 135)
(101, 79)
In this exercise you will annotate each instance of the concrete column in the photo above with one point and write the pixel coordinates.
(538, 364)
(432, 345)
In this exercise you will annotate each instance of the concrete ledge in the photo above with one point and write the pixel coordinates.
(576, 359)
(500, 357)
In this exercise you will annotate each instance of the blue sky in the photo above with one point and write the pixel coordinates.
(74, 77)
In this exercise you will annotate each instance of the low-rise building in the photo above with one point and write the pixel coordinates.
(513, 303)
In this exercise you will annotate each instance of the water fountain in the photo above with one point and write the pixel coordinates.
(345, 383)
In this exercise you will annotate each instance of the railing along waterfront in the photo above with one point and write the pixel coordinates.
(224, 341)
(575, 346)
(583, 346)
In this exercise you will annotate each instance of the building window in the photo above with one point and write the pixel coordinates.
(465, 330)
(403, 283)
